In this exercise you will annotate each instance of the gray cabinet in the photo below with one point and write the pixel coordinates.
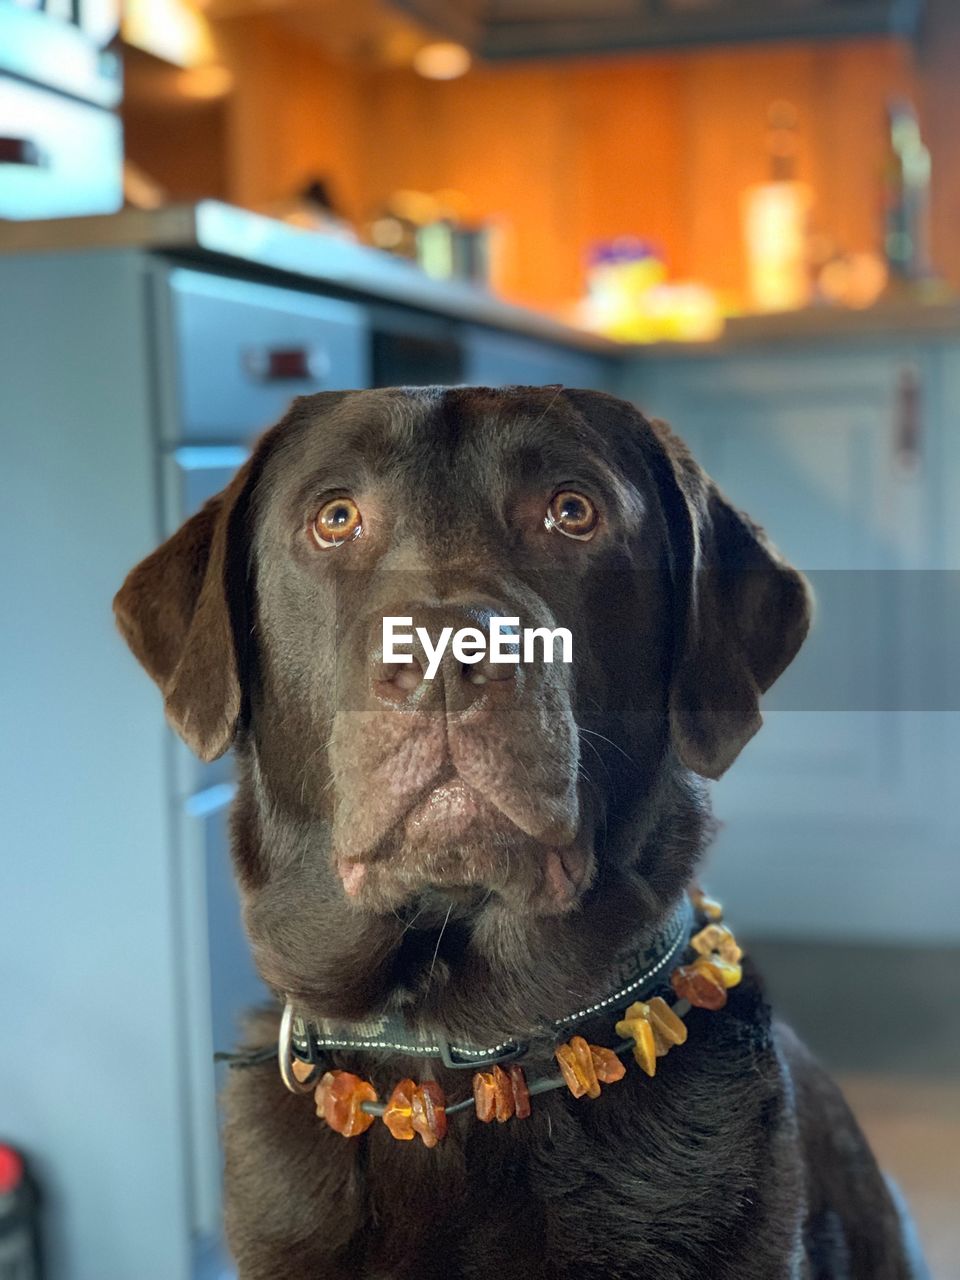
(497, 359)
(232, 355)
(239, 352)
(218, 984)
(130, 388)
(833, 820)
(92, 1080)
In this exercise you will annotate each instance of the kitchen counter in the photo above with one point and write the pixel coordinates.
(213, 231)
(210, 230)
(897, 316)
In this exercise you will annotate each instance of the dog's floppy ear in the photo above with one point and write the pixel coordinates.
(741, 612)
(745, 613)
(180, 610)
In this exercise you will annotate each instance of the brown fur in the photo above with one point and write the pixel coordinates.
(738, 1159)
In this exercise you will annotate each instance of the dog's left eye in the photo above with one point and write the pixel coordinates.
(337, 521)
(573, 515)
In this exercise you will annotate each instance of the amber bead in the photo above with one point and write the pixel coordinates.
(500, 1095)
(700, 983)
(584, 1066)
(493, 1095)
(607, 1065)
(654, 1028)
(717, 938)
(668, 1029)
(644, 1046)
(708, 906)
(398, 1116)
(521, 1094)
(730, 973)
(429, 1113)
(485, 1096)
(637, 1012)
(338, 1097)
(417, 1108)
(576, 1065)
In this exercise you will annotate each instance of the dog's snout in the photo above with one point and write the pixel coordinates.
(449, 663)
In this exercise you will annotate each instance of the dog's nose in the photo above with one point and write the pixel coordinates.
(440, 674)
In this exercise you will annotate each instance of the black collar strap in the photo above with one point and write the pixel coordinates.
(636, 974)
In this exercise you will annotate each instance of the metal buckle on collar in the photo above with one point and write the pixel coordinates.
(516, 1049)
(285, 1052)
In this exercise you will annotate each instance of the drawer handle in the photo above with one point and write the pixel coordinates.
(908, 430)
(287, 364)
(21, 151)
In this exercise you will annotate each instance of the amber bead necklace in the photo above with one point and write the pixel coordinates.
(649, 1030)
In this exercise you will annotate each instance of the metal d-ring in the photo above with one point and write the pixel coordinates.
(285, 1056)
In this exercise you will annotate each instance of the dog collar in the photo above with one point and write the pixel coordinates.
(650, 1029)
(636, 973)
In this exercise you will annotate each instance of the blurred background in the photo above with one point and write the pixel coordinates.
(743, 216)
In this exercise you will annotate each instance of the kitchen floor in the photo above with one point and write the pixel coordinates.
(914, 1128)
(886, 1023)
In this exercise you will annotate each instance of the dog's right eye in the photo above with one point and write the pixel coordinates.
(337, 521)
(573, 515)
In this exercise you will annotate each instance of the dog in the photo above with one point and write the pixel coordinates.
(496, 856)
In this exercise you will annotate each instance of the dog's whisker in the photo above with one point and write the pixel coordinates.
(436, 950)
(616, 746)
(556, 396)
(410, 923)
(324, 746)
(599, 757)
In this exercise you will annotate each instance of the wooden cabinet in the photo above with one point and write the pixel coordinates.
(833, 817)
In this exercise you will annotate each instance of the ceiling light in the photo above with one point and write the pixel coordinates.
(442, 60)
(174, 30)
(205, 83)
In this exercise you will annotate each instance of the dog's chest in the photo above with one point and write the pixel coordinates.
(644, 1180)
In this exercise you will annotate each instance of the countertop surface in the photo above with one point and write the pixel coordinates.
(902, 314)
(225, 234)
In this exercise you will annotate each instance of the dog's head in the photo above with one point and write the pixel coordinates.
(541, 811)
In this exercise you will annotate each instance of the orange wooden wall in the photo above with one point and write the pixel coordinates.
(659, 145)
(293, 114)
(565, 153)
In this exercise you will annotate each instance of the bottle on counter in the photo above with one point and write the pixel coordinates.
(776, 217)
(906, 238)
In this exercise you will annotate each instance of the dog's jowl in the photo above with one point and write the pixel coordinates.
(513, 1037)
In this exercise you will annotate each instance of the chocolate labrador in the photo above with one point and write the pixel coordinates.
(470, 892)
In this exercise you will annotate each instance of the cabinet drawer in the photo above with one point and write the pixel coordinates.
(243, 351)
(219, 987)
(69, 158)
